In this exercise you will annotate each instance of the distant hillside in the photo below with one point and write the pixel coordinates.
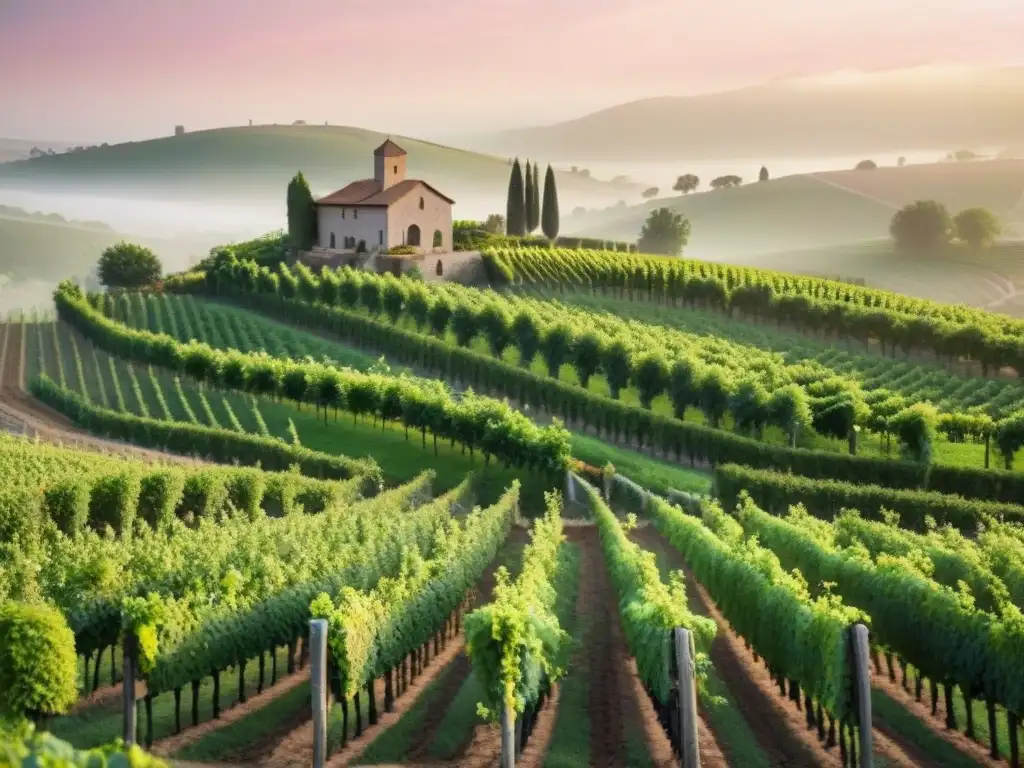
(47, 249)
(807, 211)
(19, 149)
(840, 115)
(255, 164)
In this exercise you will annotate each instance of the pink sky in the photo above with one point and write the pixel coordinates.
(110, 70)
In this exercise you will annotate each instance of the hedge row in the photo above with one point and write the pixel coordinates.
(220, 445)
(809, 303)
(616, 421)
(475, 422)
(775, 492)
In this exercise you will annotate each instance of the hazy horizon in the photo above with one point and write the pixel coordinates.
(115, 70)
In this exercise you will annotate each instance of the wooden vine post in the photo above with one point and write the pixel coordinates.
(128, 688)
(861, 658)
(318, 687)
(508, 737)
(685, 650)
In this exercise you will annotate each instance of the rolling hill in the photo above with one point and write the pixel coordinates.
(254, 164)
(945, 109)
(807, 211)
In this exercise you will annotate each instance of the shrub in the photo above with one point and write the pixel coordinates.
(205, 495)
(245, 489)
(115, 501)
(38, 665)
(403, 250)
(160, 495)
(67, 504)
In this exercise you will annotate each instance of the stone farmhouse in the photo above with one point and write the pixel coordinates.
(373, 215)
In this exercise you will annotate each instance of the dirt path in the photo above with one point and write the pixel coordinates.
(780, 728)
(617, 707)
(461, 667)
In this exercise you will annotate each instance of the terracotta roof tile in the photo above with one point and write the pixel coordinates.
(367, 192)
(389, 149)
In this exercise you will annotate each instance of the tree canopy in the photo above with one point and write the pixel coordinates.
(866, 165)
(650, 192)
(128, 265)
(763, 175)
(722, 182)
(921, 226)
(665, 232)
(978, 227)
(686, 183)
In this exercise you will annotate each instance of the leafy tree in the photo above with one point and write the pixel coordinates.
(515, 213)
(439, 316)
(369, 296)
(724, 182)
(302, 224)
(978, 227)
(549, 216)
(902, 161)
(464, 325)
(497, 328)
(650, 375)
(713, 393)
(866, 165)
(921, 226)
(393, 299)
(495, 224)
(555, 346)
(650, 192)
(750, 408)
(127, 265)
(418, 306)
(528, 198)
(686, 183)
(915, 428)
(618, 367)
(763, 175)
(790, 409)
(1009, 437)
(586, 356)
(526, 336)
(665, 232)
(682, 385)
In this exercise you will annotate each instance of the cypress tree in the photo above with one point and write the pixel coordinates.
(535, 202)
(515, 213)
(529, 224)
(549, 217)
(302, 225)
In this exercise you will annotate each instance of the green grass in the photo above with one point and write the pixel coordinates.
(239, 735)
(939, 752)
(98, 725)
(655, 475)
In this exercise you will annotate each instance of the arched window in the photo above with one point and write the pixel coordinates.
(439, 269)
(438, 238)
(332, 239)
(421, 203)
(413, 237)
